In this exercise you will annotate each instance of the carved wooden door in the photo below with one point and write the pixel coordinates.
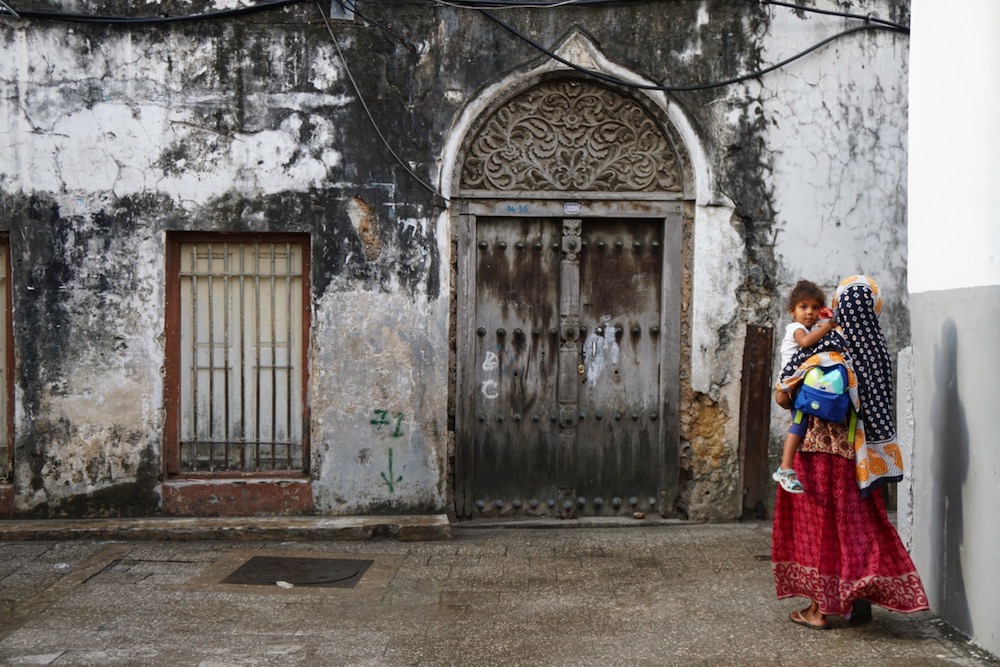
(567, 366)
(618, 452)
(516, 357)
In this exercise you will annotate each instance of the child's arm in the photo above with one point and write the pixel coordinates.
(783, 399)
(809, 338)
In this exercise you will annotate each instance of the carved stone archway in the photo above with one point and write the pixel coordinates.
(574, 136)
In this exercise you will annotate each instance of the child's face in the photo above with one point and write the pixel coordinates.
(806, 312)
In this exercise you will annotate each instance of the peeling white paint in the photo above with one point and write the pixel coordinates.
(600, 351)
(693, 48)
(719, 268)
(101, 418)
(306, 102)
(324, 71)
(125, 144)
(127, 160)
(418, 225)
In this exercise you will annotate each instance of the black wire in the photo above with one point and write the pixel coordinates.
(675, 89)
(150, 20)
(265, 6)
(847, 15)
(470, 4)
(352, 6)
(368, 112)
(552, 4)
(871, 23)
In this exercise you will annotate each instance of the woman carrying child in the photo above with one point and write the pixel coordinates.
(834, 543)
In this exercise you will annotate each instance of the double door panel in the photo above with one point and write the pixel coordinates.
(567, 366)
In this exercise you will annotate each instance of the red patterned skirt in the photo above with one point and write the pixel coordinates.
(833, 546)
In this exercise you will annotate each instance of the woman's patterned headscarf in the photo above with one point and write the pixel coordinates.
(858, 343)
(857, 303)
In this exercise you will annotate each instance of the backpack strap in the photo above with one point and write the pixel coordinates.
(852, 422)
(852, 425)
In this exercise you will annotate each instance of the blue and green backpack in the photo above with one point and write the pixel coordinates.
(824, 394)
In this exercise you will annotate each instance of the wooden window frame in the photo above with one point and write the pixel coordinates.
(172, 338)
(8, 335)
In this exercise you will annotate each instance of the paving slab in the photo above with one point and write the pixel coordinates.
(598, 594)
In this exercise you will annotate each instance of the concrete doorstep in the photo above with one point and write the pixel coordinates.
(405, 528)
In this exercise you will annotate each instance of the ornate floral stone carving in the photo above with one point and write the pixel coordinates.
(571, 136)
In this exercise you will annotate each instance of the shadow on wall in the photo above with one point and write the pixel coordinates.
(950, 464)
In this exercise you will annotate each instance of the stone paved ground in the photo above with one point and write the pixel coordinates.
(604, 596)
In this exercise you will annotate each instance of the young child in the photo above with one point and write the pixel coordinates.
(810, 322)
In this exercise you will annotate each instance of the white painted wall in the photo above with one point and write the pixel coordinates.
(954, 284)
(123, 136)
(838, 169)
(954, 145)
(839, 156)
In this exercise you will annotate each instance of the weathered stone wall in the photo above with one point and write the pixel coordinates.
(112, 135)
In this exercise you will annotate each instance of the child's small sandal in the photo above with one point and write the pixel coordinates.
(788, 480)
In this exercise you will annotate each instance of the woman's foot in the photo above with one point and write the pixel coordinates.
(810, 618)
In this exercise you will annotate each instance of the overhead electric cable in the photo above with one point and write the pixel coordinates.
(675, 88)
(5, 8)
(268, 5)
(519, 5)
(150, 20)
(385, 30)
(832, 12)
(523, 4)
(364, 105)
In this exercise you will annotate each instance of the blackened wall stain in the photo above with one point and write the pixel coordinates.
(408, 256)
(393, 251)
(37, 271)
(69, 275)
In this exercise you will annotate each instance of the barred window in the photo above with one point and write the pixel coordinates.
(238, 343)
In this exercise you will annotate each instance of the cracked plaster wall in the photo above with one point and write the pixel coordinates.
(252, 125)
(838, 168)
(114, 137)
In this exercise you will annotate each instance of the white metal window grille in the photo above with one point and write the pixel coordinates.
(241, 403)
(5, 451)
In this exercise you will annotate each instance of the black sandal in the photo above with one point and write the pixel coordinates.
(861, 613)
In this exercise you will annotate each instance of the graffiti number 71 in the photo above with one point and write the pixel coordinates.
(385, 419)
